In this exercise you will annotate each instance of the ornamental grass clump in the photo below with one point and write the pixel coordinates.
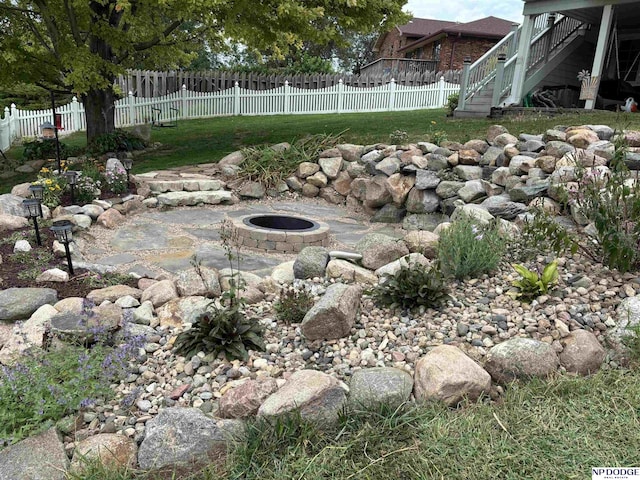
(467, 249)
(271, 166)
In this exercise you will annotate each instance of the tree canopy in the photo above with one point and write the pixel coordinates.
(80, 46)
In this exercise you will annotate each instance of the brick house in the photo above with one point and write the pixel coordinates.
(443, 43)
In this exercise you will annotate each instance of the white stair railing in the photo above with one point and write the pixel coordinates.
(547, 41)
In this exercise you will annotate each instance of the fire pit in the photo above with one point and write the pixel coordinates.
(280, 233)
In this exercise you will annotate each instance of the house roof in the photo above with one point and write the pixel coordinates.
(419, 27)
(488, 27)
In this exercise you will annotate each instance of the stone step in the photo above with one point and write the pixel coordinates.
(186, 198)
(186, 185)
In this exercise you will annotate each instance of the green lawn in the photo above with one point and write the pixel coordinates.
(208, 140)
(556, 429)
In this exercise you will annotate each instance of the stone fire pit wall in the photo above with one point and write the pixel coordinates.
(285, 241)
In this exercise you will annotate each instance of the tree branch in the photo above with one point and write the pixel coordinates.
(73, 22)
(138, 47)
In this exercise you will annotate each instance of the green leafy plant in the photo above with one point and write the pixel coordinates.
(271, 166)
(45, 149)
(34, 263)
(398, 137)
(108, 279)
(53, 184)
(412, 286)
(86, 189)
(611, 201)
(542, 234)
(116, 180)
(44, 386)
(452, 102)
(532, 283)
(293, 305)
(436, 136)
(466, 249)
(117, 141)
(224, 329)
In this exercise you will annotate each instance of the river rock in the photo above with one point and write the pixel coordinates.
(521, 358)
(317, 396)
(334, 314)
(447, 374)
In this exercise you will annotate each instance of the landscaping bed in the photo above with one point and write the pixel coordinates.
(438, 315)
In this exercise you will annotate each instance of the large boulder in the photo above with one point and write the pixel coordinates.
(111, 450)
(521, 358)
(582, 353)
(380, 386)
(423, 242)
(179, 311)
(21, 303)
(311, 262)
(183, 435)
(160, 293)
(317, 396)
(113, 293)
(447, 374)
(29, 334)
(334, 314)
(41, 457)
(346, 271)
(377, 255)
(198, 281)
(245, 400)
(12, 205)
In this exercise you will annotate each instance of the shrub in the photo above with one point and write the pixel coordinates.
(293, 305)
(452, 102)
(532, 283)
(412, 286)
(117, 141)
(611, 201)
(398, 136)
(271, 166)
(45, 149)
(466, 249)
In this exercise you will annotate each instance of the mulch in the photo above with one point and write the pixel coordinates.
(77, 285)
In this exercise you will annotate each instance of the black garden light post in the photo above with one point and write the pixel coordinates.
(34, 209)
(71, 177)
(37, 192)
(127, 163)
(62, 232)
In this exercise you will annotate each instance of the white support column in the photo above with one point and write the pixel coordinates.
(520, 70)
(601, 48)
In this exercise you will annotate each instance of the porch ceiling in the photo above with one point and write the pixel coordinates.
(627, 12)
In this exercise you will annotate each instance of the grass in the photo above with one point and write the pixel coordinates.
(208, 140)
(556, 429)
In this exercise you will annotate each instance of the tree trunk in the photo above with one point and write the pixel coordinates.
(100, 111)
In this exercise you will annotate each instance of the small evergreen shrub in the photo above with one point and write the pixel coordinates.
(412, 286)
(293, 305)
(468, 250)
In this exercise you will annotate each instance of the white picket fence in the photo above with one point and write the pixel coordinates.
(283, 100)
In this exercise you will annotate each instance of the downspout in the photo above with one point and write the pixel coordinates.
(453, 51)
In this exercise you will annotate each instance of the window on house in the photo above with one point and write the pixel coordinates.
(437, 46)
